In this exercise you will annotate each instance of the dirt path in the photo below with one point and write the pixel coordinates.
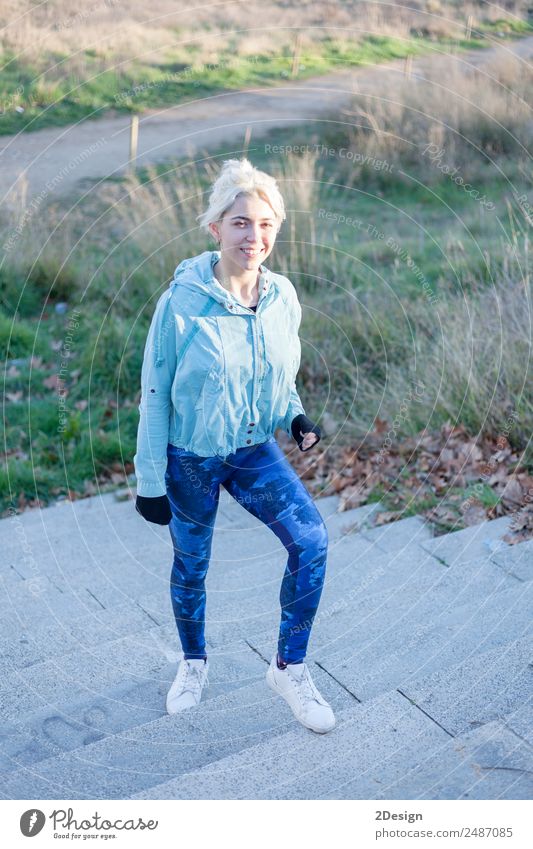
(56, 161)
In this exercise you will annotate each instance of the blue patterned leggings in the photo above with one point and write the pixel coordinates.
(263, 481)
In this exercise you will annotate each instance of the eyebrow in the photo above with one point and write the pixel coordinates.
(245, 218)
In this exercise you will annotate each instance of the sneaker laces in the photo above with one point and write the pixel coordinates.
(305, 687)
(193, 678)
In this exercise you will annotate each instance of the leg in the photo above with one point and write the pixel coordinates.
(193, 487)
(265, 483)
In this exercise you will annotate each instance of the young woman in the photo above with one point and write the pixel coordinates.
(218, 379)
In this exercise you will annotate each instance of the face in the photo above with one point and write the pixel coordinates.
(247, 233)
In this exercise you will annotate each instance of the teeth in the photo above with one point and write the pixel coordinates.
(251, 253)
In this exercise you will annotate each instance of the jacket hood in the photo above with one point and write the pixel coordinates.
(196, 274)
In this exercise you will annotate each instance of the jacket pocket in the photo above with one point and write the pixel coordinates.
(210, 392)
(210, 414)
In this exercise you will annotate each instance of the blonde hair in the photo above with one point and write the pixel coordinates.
(240, 177)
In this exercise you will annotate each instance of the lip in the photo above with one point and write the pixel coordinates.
(253, 250)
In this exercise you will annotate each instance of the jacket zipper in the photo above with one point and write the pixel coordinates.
(257, 360)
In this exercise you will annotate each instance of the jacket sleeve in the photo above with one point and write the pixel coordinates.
(150, 461)
(295, 404)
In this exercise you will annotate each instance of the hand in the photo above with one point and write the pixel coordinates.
(305, 432)
(309, 439)
(156, 510)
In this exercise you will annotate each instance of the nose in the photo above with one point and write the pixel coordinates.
(254, 234)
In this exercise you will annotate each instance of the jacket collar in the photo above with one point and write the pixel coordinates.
(197, 273)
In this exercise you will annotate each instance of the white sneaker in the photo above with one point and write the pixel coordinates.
(186, 691)
(295, 685)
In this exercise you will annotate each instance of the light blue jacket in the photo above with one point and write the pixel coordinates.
(216, 375)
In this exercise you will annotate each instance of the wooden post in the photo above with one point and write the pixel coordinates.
(408, 66)
(296, 55)
(247, 137)
(134, 137)
(469, 25)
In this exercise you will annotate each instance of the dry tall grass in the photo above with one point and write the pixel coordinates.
(473, 117)
(116, 30)
(471, 351)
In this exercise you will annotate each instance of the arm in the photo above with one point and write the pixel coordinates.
(295, 404)
(156, 381)
(296, 423)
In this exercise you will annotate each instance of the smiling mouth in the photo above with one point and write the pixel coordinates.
(251, 253)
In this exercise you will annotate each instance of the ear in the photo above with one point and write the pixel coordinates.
(213, 229)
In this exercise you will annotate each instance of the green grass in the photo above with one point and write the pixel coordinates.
(414, 506)
(511, 26)
(483, 494)
(17, 338)
(52, 95)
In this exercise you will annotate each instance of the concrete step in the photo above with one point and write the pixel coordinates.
(470, 543)
(374, 745)
(517, 560)
(356, 571)
(38, 616)
(109, 554)
(400, 536)
(406, 582)
(78, 532)
(46, 599)
(377, 742)
(122, 763)
(490, 762)
(77, 722)
(27, 640)
(62, 516)
(53, 681)
(60, 530)
(480, 689)
(92, 670)
(355, 582)
(103, 683)
(390, 647)
(347, 522)
(520, 721)
(112, 564)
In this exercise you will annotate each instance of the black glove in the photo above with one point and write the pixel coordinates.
(155, 510)
(302, 423)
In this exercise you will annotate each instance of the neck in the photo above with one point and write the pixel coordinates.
(239, 281)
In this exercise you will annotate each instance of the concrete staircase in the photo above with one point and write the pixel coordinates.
(422, 644)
